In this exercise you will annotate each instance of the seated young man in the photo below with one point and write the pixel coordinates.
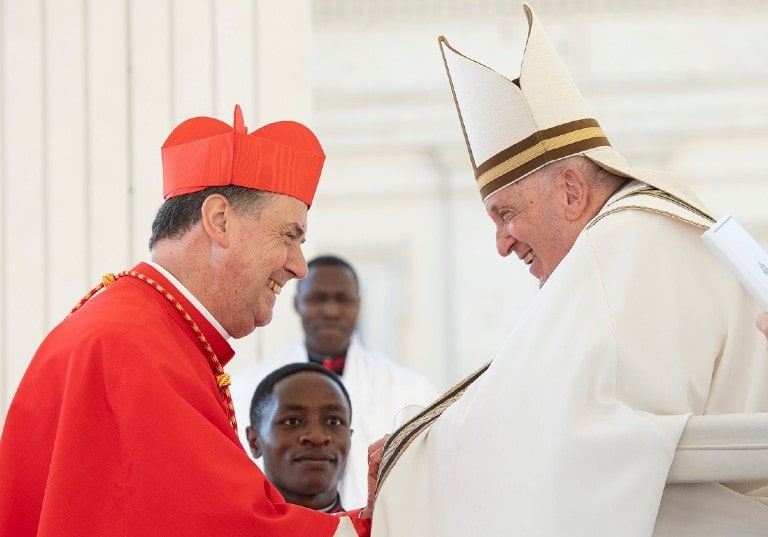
(300, 423)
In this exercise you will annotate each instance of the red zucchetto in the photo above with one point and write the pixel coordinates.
(284, 157)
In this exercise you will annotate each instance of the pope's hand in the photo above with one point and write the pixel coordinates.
(762, 323)
(374, 461)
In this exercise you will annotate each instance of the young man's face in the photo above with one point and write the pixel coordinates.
(328, 303)
(304, 437)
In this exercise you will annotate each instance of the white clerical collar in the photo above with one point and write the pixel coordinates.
(189, 296)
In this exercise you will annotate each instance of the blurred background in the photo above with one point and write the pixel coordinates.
(90, 90)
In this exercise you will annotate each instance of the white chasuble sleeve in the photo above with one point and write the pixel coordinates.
(544, 443)
(573, 428)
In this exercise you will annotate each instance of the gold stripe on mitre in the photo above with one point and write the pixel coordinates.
(540, 148)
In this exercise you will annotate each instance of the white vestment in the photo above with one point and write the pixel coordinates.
(572, 429)
(378, 388)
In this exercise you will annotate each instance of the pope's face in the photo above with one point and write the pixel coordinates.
(305, 437)
(328, 303)
(529, 221)
(263, 255)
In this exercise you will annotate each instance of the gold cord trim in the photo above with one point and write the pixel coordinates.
(658, 194)
(223, 380)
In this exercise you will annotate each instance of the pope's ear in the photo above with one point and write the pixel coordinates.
(253, 441)
(576, 190)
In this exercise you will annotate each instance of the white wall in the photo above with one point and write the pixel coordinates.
(89, 91)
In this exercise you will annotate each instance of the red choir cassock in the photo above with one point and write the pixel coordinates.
(118, 428)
